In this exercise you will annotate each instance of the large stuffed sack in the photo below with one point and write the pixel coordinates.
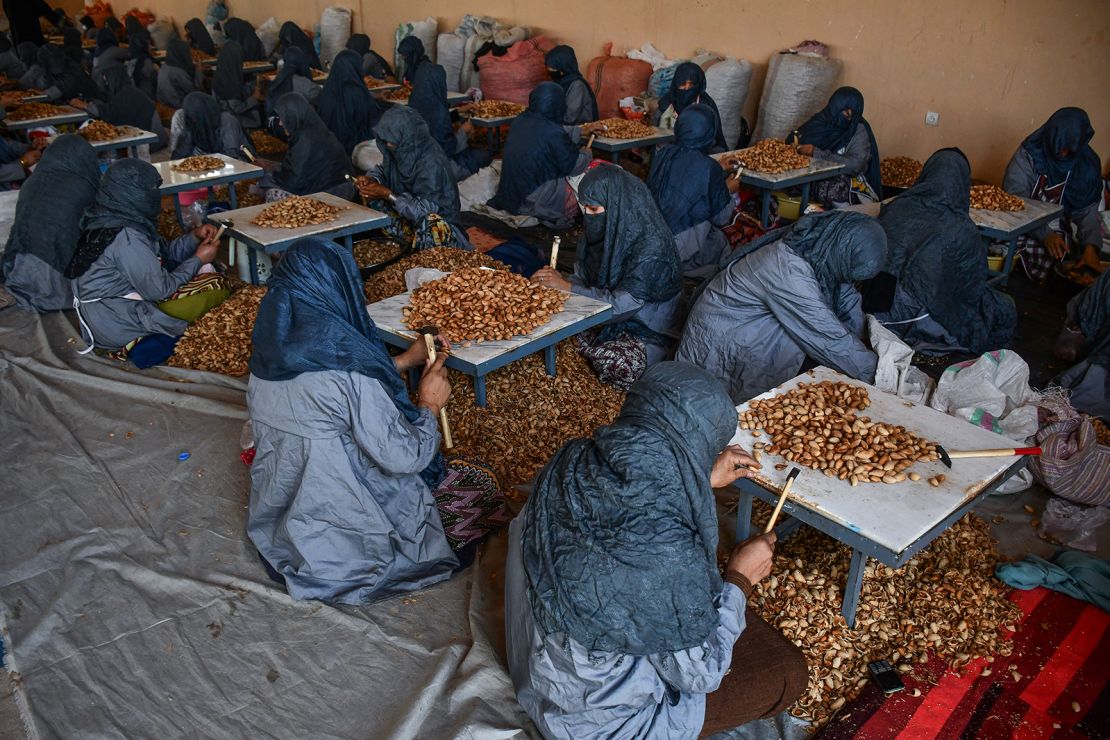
(451, 53)
(162, 33)
(613, 78)
(727, 81)
(268, 34)
(513, 76)
(797, 86)
(1072, 463)
(424, 30)
(335, 30)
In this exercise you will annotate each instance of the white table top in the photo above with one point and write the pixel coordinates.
(816, 169)
(134, 137)
(353, 217)
(232, 171)
(388, 316)
(891, 515)
(608, 143)
(72, 115)
(999, 222)
(491, 122)
(454, 99)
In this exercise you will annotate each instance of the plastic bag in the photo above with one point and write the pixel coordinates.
(1072, 524)
(268, 34)
(992, 392)
(424, 30)
(335, 30)
(162, 33)
(648, 53)
(480, 187)
(418, 276)
(367, 155)
(451, 53)
(796, 87)
(894, 373)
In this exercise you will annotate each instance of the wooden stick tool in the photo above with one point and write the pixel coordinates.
(782, 499)
(555, 251)
(243, 148)
(429, 333)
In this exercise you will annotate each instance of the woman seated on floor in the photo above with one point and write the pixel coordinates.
(123, 104)
(202, 128)
(39, 250)
(429, 99)
(10, 64)
(414, 183)
(785, 297)
(196, 33)
(66, 80)
(540, 154)
(694, 192)
(933, 290)
(626, 257)
(35, 76)
(1056, 164)
(178, 75)
(315, 162)
(562, 65)
(231, 89)
(688, 88)
(617, 622)
(141, 64)
(346, 107)
(1085, 341)
(134, 293)
(373, 64)
(291, 36)
(295, 76)
(242, 32)
(840, 133)
(348, 475)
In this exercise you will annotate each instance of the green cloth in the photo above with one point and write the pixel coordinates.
(1072, 573)
(192, 307)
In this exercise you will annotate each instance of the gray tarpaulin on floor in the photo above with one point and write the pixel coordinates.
(133, 605)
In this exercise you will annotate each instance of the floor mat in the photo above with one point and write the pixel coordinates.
(133, 605)
(1055, 684)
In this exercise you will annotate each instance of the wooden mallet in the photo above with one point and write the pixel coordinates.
(429, 333)
(555, 251)
(794, 472)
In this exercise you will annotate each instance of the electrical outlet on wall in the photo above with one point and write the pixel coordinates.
(932, 118)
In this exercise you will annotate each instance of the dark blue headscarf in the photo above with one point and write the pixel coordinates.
(291, 35)
(313, 318)
(538, 148)
(346, 106)
(563, 66)
(689, 186)
(842, 247)
(620, 534)
(294, 64)
(105, 40)
(199, 37)
(237, 29)
(680, 100)
(1067, 128)
(629, 247)
(429, 92)
(828, 129)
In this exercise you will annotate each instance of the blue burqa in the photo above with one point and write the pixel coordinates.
(689, 186)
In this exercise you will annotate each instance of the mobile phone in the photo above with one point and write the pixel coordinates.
(883, 673)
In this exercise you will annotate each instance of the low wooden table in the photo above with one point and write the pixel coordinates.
(767, 182)
(480, 359)
(888, 522)
(352, 220)
(616, 146)
(175, 182)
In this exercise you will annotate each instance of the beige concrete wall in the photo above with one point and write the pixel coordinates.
(993, 69)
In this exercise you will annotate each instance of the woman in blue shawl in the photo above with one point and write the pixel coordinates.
(429, 99)
(199, 38)
(626, 257)
(540, 154)
(688, 88)
(942, 302)
(237, 29)
(1056, 164)
(231, 89)
(694, 192)
(347, 470)
(840, 133)
(295, 76)
(291, 36)
(562, 65)
(618, 622)
(373, 63)
(346, 106)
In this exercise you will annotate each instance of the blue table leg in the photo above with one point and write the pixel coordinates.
(743, 514)
(1009, 264)
(496, 139)
(853, 587)
(765, 208)
(805, 200)
(211, 193)
(252, 262)
(480, 390)
(349, 242)
(177, 210)
(549, 359)
(232, 195)
(617, 158)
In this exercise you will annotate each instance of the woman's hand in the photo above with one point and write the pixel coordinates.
(753, 557)
(1056, 246)
(805, 150)
(435, 389)
(417, 353)
(372, 190)
(734, 462)
(204, 232)
(1090, 258)
(78, 104)
(551, 278)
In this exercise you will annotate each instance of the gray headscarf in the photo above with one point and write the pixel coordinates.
(620, 534)
(841, 247)
(413, 165)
